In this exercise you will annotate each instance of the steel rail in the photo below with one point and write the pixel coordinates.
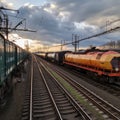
(74, 83)
(31, 90)
(77, 106)
(51, 96)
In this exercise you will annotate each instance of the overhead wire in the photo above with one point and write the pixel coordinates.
(92, 36)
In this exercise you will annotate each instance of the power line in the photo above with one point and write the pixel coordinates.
(4, 28)
(92, 36)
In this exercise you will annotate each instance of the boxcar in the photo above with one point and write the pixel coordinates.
(11, 56)
(2, 61)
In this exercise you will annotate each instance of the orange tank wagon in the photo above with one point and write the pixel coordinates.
(102, 63)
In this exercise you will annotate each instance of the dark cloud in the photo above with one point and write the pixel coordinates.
(55, 21)
(89, 11)
(47, 25)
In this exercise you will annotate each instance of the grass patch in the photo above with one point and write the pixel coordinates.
(77, 96)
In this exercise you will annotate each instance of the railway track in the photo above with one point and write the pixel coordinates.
(47, 99)
(108, 111)
(113, 89)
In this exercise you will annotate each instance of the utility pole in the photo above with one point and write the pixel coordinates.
(61, 45)
(75, 44)
(5, 20)
(78, 41)
(27, 46)
(4, 23)
(75, 41)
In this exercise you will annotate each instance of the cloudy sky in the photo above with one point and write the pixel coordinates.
(57, 20)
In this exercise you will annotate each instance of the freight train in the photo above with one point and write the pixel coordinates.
(104, 65)
(11, 56)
